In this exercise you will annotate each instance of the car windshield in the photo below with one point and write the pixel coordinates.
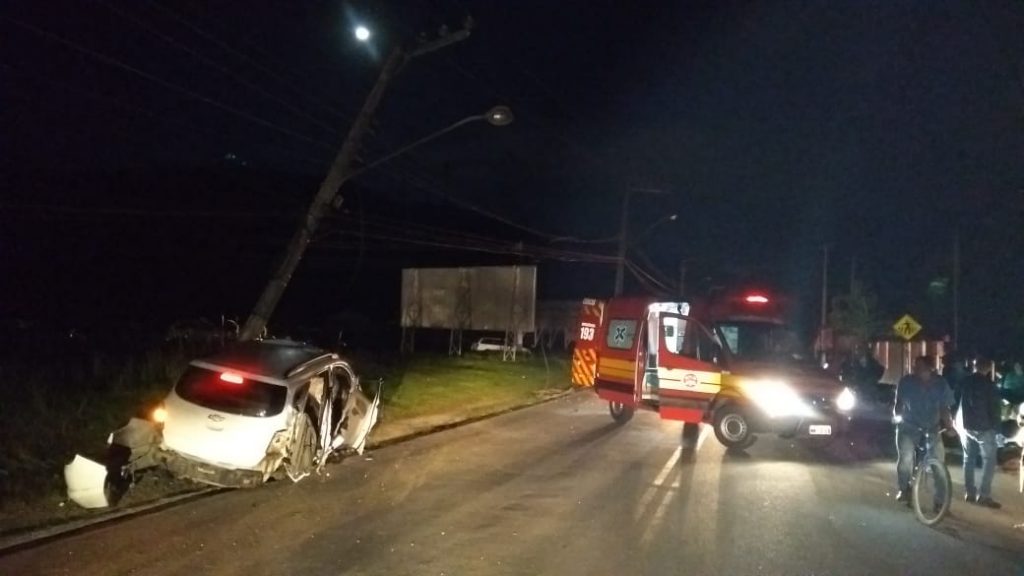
(762, 342)
(239, 396)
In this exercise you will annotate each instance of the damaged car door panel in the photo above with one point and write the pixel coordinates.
(236, 420)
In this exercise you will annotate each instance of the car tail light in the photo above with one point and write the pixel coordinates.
(757, 299)
(159, 415)
(232, 378)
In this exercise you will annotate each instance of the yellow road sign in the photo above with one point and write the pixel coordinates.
(906, 327)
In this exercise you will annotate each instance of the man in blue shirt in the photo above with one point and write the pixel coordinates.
(923, 399)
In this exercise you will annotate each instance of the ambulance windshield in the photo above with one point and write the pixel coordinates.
(761, 342)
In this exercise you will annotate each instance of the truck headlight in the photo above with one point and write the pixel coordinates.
(777, 399)
(846, 400)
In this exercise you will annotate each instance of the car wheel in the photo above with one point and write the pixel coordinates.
(302, 452)
(732, 428)
(620, 412)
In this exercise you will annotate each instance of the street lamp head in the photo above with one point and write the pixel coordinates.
(673, 217)
(499, 116)
(362, 33)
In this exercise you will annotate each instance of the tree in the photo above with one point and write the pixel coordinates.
(856, 314)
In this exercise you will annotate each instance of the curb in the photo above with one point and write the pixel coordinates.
(31, 538)
(465, 421)
(36, 537)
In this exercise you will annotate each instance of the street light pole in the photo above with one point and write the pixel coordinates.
(339, 172)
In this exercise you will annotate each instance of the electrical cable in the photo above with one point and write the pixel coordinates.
(109, 60)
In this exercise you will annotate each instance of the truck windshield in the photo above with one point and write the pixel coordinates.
(761, 342)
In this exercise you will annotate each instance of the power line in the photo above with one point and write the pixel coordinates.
(427, 184)
(224, 45)
(190, 129)
(516, 249)
(116, 211)
(156, 79)
(223, 69)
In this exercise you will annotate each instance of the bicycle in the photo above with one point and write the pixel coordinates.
(931, 484)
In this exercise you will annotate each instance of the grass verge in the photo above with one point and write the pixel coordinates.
(431, 386)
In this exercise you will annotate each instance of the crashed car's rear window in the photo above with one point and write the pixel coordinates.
(250, 398)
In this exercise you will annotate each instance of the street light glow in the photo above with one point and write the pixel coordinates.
(362, 33)
(499, 116)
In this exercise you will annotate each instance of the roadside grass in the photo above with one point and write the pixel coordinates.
(50, 412)
(435, 385)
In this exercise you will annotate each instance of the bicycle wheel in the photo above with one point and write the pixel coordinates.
(933, 492)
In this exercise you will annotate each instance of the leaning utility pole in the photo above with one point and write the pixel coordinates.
(339, 172)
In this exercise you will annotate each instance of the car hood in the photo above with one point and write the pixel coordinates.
(806, 379)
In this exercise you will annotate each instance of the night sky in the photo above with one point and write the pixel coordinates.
(156, 154)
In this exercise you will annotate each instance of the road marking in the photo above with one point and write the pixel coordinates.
(666, 497)
(659, 480)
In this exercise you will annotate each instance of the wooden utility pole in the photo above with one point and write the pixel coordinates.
(956, 290)
(620, 267)
(853, 273)
(824, 290)
(340, 170)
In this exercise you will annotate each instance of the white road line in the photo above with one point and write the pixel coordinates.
(659, 480)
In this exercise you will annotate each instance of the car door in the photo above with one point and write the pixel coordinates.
(688, 368)
(348, 416)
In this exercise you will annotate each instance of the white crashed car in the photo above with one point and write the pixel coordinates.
(238, 418)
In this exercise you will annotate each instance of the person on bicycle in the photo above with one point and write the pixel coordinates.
(923, 400)
(979, 410)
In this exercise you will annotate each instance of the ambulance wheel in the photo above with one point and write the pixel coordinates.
(620, 412)
(732, 428)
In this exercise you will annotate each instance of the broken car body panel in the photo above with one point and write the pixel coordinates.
(237, 418)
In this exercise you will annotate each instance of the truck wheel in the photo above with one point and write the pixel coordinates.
(732, 428)
(620, 412)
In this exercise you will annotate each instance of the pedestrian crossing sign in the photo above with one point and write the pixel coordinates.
(906, 327)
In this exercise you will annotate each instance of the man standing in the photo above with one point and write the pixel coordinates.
(922, 403)
(979, 410)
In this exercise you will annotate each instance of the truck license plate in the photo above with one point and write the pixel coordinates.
(820, 430)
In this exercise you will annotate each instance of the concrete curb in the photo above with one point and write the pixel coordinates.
(30, 537)
(35, 537)
(463, 421)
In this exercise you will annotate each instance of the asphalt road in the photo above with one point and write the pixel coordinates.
(558, 489)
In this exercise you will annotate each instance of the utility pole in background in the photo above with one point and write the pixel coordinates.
(956, 290)
(824, 299)
(620, 267)
(340, 171)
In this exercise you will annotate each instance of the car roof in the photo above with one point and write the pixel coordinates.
(273, 359)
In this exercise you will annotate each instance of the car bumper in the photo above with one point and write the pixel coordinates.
(819, 426)
(184, 467)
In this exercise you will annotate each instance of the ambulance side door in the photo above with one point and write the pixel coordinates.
(689, 368)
